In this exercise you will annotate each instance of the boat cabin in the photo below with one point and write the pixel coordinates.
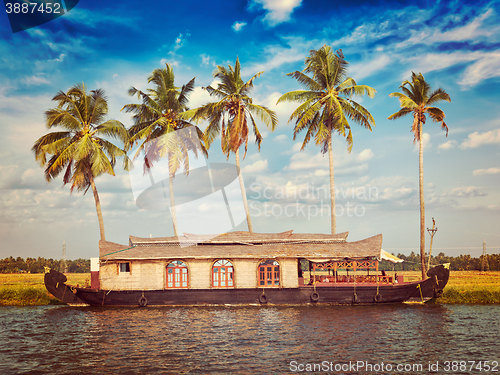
(237, 260)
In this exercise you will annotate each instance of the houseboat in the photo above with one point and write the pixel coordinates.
(243, 268)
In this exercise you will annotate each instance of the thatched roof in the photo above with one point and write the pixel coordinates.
(243, 245)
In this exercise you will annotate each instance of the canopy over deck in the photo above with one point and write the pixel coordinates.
(384, 255)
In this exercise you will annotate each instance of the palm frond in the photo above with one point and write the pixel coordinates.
(437, 96)
(306, 81)
(267, 116)
(402, 112)
(299, 96)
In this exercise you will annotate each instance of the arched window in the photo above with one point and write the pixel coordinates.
(222, 274)
(269, 273)
(177, 274)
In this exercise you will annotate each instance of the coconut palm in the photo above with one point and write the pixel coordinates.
(327, 105)
(228, 117)
(417, 99)
(162, 112)
(80, 151)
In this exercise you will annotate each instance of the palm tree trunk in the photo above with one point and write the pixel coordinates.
(243, 191)
(97, 207)
(332, 187)
(422, 208)
(172, 204)
(172, 200)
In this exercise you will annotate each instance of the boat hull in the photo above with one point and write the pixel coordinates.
(337, 293)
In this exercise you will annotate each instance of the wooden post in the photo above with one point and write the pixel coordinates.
(432, 232)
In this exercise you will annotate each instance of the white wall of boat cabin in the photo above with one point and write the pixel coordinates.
(289, 273)
(143, 275)
(199, 273)
(151, 275)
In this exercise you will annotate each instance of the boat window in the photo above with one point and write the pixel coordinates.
(177, 274)
(222, 274)
(269, 273)
(124, 267)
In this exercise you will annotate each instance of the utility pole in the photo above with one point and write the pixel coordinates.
(432, 232)
(64, 266)
(484, 263)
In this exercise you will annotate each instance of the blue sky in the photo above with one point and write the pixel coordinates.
(456, 45)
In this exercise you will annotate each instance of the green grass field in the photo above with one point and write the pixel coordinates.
(463, 287)
(24, 289)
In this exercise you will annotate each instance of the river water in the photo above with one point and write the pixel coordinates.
(395, 339)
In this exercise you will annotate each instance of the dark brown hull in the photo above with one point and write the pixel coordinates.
(341, 293)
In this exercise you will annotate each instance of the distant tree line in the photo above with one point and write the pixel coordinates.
(411, 263)
(37, 265)
(459, 263)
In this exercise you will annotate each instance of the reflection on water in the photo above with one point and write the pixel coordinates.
(244, 340)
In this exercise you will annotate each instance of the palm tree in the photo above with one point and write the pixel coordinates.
(327, 105)
(80, 151)
(229, 117)
(417, 99)
(162, 112)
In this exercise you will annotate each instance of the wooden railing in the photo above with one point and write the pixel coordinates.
(325, 280)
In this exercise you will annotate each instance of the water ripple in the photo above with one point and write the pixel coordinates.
(240, 340)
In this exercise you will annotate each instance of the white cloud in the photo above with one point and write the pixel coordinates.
(365, 155)
(198, 97)
(472, 31)
(477, 139)
(237, 26)
(283, 110)
(278, 55)
(97, 18)
(480, 172)
(321, 172)
(278, 11)
(426, 142)
(421, 51)
(367, 68)
(488, 66)
(36, 80)
(304, 160)
(447, 145)
(205, 59)
(344, 163)
(258, 166)
(465, 192)
(281, 138)
(170, 62)
(485, 64)
(179, 42)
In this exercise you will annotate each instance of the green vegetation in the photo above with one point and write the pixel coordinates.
(162, 112)
(327, 105)
(37, 265)
(80, 152)
(463, 287)
(228, 117)
(29, 289)
(459, 263)
(417, 99)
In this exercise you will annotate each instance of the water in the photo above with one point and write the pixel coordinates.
(249, 340)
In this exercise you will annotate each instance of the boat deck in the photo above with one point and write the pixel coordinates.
(350, 279)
